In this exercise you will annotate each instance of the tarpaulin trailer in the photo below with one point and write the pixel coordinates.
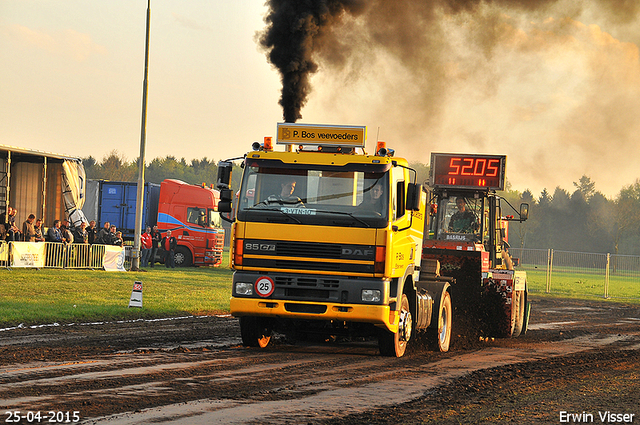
(49, 185)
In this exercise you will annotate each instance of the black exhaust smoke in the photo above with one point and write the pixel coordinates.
(295, 29)
(299, 32)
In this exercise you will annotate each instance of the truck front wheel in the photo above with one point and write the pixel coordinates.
(182, 257)
(395, 344)
(255, 331)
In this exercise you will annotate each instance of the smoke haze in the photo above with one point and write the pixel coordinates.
(555, 85)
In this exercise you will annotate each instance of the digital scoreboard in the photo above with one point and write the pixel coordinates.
(467, 171)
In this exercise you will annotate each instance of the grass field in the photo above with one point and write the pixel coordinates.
(576, 285)
(32, 296)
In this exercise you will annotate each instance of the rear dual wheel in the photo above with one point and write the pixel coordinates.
(439, 336)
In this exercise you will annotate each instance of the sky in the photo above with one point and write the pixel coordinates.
(553, 84)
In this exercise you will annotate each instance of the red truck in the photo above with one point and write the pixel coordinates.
(191, 213)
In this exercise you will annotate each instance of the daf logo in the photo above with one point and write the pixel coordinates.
(259, 247)
(357, 252)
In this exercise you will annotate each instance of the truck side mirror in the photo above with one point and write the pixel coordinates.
(224, 175)
(524, 211)
(414, 191)
(226, 196)
(223, 184)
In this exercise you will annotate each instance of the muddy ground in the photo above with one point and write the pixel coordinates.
(580, 360)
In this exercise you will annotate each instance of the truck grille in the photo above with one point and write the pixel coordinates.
(267, 254)
(305, 249)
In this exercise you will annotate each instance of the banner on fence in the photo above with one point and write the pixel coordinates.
(4, 251)
(27, 254)
(113, 260)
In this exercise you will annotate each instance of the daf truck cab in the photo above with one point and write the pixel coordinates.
(327, 241)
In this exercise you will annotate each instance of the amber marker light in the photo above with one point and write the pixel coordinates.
(268, 143)
(378, 266)
(238, 251)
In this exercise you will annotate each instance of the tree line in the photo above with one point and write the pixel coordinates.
(115, 167)
(583, 220)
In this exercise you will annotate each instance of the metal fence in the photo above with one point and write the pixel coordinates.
(58, 256)
(580, 273)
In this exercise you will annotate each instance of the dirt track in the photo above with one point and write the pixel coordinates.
(578, 357)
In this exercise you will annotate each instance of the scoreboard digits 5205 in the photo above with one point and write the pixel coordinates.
(468, 171)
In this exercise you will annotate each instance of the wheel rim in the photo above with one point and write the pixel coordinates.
(405, 327)
(444, 324)
(444, 328)
(178, 258)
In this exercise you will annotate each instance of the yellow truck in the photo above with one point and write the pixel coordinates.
(327, 240)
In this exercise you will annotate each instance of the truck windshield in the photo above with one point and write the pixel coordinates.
(321, 196)
(459, 218)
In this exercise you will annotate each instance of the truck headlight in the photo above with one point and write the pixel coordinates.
(243, 288)
(371, 295)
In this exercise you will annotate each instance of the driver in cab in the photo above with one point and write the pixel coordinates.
(287, 189)
(463, 220)
(373, 199)
(286, 196)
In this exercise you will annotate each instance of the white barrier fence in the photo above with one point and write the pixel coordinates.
(580, 273)
(64, 256)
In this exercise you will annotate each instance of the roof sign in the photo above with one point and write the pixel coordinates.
(321, 135)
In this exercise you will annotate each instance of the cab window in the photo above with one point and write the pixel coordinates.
(460, 218)
(197, 216)
(397, 175)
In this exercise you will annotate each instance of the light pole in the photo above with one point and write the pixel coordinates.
(135, 262)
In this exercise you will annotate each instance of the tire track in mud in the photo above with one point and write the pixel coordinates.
(244, 385)
(183, 372)
(333, 399)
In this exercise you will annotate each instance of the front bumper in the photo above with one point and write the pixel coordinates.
(379, 315)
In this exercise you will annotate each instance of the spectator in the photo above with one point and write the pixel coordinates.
(67, 236)
(112, 235)
(92, 232)
(80, 234)
(28, 230)
(13, 234)
(37, 227)
(156, 238)
(54, 233)
(117, 238)
(55, 253)
(169, 244)
(146, 243)
(103, 235)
